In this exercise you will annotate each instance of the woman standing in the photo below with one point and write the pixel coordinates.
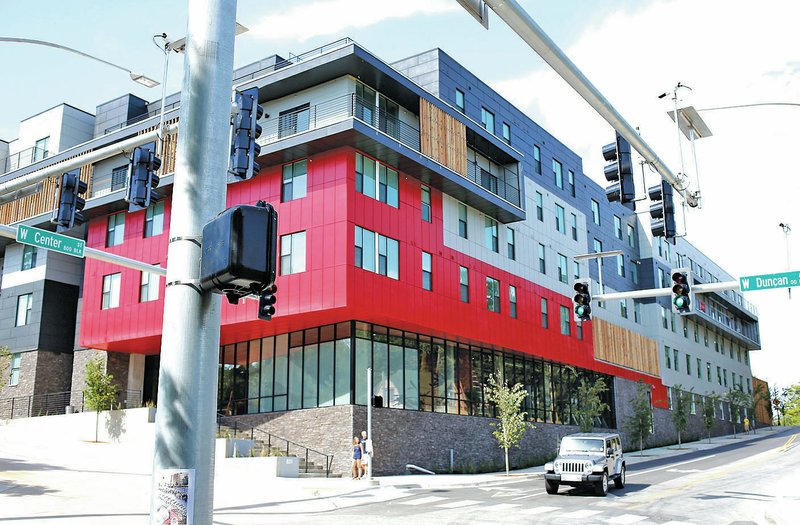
(356, 458)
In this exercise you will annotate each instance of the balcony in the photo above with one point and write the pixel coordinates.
(23, 158)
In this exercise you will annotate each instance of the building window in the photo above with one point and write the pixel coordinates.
(462, 220)
(427, 265)
(16, 364)
(571, 182)
(119, 177)
(688, 365)
(463, 283)
(725, 377)
(574, 225)
(24, 309)
(576, 270)
(621, 265)
(460, 104)
(507, 133)
(537, 159)
(565, 329)
(383, 187)
(618, 227)
(598, 247)
(294, 120)
(631, 237)
(561, 225)
(28, 257)
(493, 295)
(595, 212)
(623, 308)
(154, 219)
(667, 358)
(40, 149)
(699, 368)
(295, 180)
(562, 268)
(512, 301)
(685, 328)
(557, 173)
(368, 243)
(637, 312)
(425, 203)
(664, 321)
(490, 230)
(148, 287)
(544, 313)
(111, 286)
(708, 371)
(539, 206)
(635, 273)
(661, 278)
(675, 356)
(510, 241)
(293, 253)
(115, 233)
(579, 330)
(542, 264)
(487, 119)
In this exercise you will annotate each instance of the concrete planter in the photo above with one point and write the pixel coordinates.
(151, 414)
(276, 466)
(233, 447)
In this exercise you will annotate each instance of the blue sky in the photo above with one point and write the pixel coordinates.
(726, 50)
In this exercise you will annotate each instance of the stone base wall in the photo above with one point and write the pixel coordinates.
(40, 372)
(79, 361)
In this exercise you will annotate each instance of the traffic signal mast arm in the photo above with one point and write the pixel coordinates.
(666, 292)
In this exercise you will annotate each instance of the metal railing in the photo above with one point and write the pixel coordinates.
(493, 183)
(294, 59)
(142, 117)
(55, 403)
(23, 158)
(273, 442)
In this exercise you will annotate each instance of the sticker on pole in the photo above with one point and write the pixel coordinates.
(175, 497)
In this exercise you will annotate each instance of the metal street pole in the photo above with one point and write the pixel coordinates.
(369, 420)
(786, 231)
(187, 387)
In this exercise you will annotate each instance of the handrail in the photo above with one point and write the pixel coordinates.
(56, 403)
(221, 421)
(420, 469)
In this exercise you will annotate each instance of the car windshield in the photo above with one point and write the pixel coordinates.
(569, 445)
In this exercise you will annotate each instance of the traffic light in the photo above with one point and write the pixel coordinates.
(239, 252)
(682, 297)
(266, 303)
(244, 149)
(662, 211)
(582, 302)
(70, 203)
(142, 179)
(620, 172)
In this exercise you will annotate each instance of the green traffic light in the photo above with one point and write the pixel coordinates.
(681, 302)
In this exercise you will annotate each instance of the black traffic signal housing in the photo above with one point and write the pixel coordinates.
(240, 251)
(662, 210)
(142, 179)
(682, 296)
(266, 302)
(244, 149)
(582, 301)
(619, 171)
(67, 213)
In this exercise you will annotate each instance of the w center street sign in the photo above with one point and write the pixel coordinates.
(769, 281)
(50, 241)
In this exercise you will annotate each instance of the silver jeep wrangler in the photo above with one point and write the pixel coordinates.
(587, 460)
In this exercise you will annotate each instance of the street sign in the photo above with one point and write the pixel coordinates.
(50, 241)
(769, 280)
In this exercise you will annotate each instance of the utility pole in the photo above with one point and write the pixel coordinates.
(786, 231)
(187, 387)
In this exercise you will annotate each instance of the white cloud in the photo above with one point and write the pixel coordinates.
(332, 17)
(730, 53)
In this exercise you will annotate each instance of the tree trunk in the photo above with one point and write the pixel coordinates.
(506, 454)
(641, 445)
(96, 426)
(679, 439)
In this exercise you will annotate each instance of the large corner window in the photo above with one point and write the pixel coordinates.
(368, 244)
(111, 287)
(154, 219)
(293, 253)
(24, 309)
(295, 181)
(115, 231)
(376, 180)
(293, 120)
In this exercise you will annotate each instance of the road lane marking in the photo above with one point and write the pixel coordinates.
(790, 443)
(687, 471)
(501, 506)
(627, 518)
(585, 513)
(539, 510)
(422, 501)
(458, 504)
(630, 474)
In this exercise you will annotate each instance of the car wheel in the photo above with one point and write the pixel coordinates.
(551, 486)
(601, 487)
(619, 482)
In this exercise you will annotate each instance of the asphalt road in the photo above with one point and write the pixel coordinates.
(742, 482)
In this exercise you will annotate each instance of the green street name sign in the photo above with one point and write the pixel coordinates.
(768, 281)
(50, 241)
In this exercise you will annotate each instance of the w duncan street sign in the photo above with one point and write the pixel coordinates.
(769, 280)
(50, 241)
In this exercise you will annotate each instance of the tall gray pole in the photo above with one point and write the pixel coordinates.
(187, 386)
(369, 420)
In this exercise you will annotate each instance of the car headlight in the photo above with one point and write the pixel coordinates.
(588, 467)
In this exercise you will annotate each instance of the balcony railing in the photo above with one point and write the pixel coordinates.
(57, 402)
(23, 158)
(493, 183)
(142, 117)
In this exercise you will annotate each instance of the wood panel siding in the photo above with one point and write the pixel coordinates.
(623, 347)
(442, 137)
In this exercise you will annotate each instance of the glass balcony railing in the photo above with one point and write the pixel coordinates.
(23, 158)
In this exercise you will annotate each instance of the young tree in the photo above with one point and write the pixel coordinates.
(639, 425)
(736, 400)
(791, 410)
(100, 392)
(589, 405)
(709, 412)
(681, 402)
(5, 364)
(508, 402)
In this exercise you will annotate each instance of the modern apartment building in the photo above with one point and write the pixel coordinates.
(428, 231)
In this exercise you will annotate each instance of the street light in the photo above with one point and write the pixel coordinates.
(136, 77)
